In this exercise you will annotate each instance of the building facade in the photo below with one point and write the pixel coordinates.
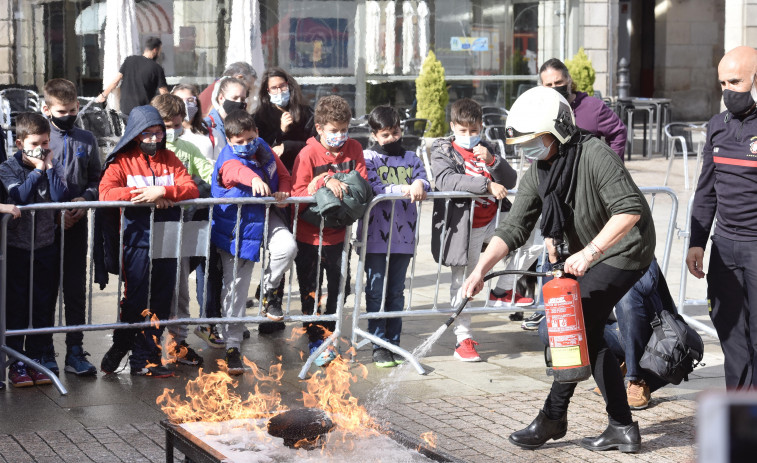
(370, 51)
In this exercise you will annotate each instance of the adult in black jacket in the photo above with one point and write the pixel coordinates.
(728, 186)
(284, 119)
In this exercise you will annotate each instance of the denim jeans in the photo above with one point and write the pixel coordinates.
(388, 329)
(635, 311)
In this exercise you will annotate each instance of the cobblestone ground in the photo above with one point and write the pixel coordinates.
(473, 429)
(130, 443)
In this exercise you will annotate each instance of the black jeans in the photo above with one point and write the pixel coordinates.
(307, 274)
(45, 281)
(75, 278)
(601, 288)
(732, 290)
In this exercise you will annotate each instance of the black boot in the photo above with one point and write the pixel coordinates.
(627, 439)
(540, 431)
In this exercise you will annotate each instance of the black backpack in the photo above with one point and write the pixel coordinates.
(674, 349)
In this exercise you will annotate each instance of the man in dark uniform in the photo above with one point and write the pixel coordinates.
(728, 186)
(140, 76)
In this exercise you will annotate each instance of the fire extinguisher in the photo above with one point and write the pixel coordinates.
(567, 331)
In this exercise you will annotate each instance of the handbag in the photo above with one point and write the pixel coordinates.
(673, 350)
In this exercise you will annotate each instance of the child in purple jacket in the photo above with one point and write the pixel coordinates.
(391, 169)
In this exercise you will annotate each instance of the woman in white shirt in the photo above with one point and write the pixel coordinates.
(210, 141)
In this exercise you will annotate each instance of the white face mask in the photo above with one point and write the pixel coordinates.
(535, 149)
(173, 134)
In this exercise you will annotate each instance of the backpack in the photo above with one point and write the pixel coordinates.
(674, 349)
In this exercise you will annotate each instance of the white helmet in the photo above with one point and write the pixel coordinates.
(537, 111)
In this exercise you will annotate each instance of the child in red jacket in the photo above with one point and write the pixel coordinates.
(329, 152)
(141, 170)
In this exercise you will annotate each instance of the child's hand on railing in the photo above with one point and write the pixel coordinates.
(259, 187)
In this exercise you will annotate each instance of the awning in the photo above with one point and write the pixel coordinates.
(151, 19)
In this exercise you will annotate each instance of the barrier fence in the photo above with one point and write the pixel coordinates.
(181, 239)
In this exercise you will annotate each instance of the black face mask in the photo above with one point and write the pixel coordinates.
(148, 148)
(563, 90)
(229, 106)
(64, 123)
(738, 103)
(394, 148)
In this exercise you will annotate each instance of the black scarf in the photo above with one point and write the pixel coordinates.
(557, 185)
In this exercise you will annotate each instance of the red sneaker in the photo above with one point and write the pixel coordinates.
(466, 351)
(38, 377)
(18, 375)
(504, 300)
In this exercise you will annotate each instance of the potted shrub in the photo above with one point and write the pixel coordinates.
(431, 95)
(582, 72)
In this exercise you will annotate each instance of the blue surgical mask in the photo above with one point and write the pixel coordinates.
(467, 141)
(535, 149)
(336, 140)
(280, 99)
(248, 150)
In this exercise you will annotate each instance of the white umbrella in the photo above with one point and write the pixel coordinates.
(121, 41)
(408, 43)
(423, 29)
(244, 35)
(373, 20)
(90, 20)
(389, 39)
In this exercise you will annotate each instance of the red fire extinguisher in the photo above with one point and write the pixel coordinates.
(567, 332)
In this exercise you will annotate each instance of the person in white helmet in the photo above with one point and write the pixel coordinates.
(587, 201)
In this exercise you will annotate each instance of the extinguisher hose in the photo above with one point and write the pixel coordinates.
(558, 272)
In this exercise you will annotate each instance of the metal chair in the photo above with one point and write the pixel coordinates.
(490, 120)
(99, 121)
(497, 134)
(413, 133)
(679, 137)
(14, 101)
(493, 110)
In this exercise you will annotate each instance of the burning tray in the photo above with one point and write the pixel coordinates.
(237, 441)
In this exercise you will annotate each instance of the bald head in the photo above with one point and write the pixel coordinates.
(737, 69)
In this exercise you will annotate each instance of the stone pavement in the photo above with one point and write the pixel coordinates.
(471, 407)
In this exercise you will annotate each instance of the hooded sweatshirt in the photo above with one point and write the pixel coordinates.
(314, 160)
(127, 168)
(387, 174)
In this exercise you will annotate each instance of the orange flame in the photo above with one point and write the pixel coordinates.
(429, 438)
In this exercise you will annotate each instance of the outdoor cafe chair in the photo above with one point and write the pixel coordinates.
(679, 141)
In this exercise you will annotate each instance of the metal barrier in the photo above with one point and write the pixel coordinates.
(435, 310)
(167, 240)
(683, 303)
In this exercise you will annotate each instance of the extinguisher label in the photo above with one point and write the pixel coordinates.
(566, 356)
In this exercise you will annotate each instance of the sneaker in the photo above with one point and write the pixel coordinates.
(638, 395)
(112, 360)
(48, 361)
(466, 351)
(234, 365)
(37, 376)
(246, 334)
(77, 363)
(326, 356)
(383, 358)
(272, 305)
(516, 316)
(504, 299)
(153, 371)
(398, 359)
(210, 335)
(185, 355)
(532, 322)
(19, 376)
(271, 327)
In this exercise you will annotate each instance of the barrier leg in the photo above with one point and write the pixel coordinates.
(395, 349)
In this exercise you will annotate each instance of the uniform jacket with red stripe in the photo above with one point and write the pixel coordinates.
(728, 182)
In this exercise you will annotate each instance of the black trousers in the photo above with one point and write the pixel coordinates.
(307, 273)
(732, 291)
(601, 288)
(45, 283)
(75, 278)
